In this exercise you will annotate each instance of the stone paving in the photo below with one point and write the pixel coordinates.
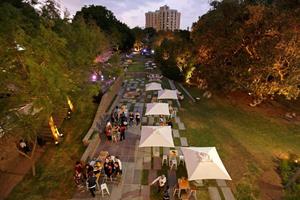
(135, 160)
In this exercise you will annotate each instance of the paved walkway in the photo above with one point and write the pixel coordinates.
(129, 153)
(138, 162)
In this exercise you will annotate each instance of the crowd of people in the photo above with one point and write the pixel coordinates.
(120, 118)
(110, 167)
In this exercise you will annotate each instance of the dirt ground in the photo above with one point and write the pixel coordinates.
(13, 166)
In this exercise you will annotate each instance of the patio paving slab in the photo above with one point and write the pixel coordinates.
(181, 126)
(227, 193)
(177, 120)
(145, 192)
(137, 176)
(152, 176)
(150, 120)
(176, 133)
(157, 163)
(131, 191)
(144, 120)
(184, 142)
(214, 193)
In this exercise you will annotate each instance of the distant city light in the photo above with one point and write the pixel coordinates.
(152, 51)
(102, 78)
(144, 50)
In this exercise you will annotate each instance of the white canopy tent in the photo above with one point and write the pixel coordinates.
(156, 136)
(204, 163)
(153, 86)
(157, 109)
(167, 94)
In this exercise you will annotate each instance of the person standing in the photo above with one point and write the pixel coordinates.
(91, 183)
(137, 118)
(78, 176)
(131, 118)
(122, 132)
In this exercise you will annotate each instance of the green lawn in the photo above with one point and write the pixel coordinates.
(54, 179)
(247, 141)
(136, 66)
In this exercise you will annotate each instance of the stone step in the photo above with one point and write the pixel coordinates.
(184, 142)
(177, 120)
(176, 133)
(181, 126)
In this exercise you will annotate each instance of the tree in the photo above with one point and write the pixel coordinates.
(122, 37)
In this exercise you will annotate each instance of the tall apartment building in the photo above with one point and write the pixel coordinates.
(163, 19)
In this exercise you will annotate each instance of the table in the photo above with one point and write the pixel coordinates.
(183, 184)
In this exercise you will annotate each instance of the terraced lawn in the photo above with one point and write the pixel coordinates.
(247, 141)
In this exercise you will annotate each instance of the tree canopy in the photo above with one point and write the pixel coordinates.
(121, 35)
(43, 60)
(250, 45)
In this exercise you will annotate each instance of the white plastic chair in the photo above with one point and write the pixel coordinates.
(164, 160)
(181, 160)
(173, 164)
(104, 189)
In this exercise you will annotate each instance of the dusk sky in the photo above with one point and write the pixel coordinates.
(132, 12)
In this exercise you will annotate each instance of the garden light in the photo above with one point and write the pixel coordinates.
(94, 77)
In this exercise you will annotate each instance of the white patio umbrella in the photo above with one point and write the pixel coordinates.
(156, 136)
(204, 163)
(157, 109)
(167, 94)
(153, 86)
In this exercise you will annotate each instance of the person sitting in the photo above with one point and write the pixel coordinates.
(120, 164)
(161, 120)
(108, 169)
(24, 147)
(97, 168)
(117, 170)
(161, 182)
(170, 123)
(88, 169)
(166, 194)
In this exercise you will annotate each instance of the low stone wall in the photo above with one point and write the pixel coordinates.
(104, 105)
